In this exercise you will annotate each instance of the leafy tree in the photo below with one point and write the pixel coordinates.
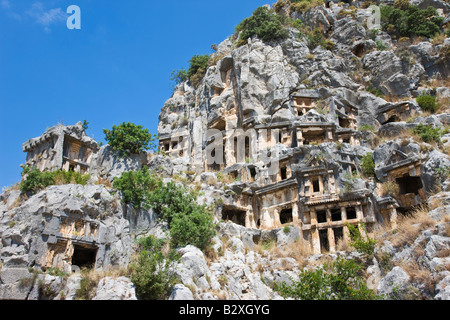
(361, 240)
(189, 222)
(85, 124)
(129, 138)
(179, 76)
(136, 186)
(264, 24)
(152, 272)
(195, 227)
(171, 199)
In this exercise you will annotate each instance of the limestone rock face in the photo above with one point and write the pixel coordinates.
(115, 289)
(396, 279)
(278, 138)
(109, 164)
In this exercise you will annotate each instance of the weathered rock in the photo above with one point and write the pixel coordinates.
(115, 289)
(396, 280)
(180, 292)
(108, 164)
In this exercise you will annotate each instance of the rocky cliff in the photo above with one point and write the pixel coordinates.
(314, 137)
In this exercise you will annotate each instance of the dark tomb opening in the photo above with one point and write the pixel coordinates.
(324, 244)
(316, 185)
(351, 213)
(235, 215)
(286, 216)
(338, 234)
(321, 216)
(283, 173)
(336, 214)
(84, 257)
(409, 184)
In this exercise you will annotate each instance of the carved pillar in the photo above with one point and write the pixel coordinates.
(299, 137)
(265, 218)
(276, 218)
(331, 240)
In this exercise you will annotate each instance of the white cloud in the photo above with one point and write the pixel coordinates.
(5, 4)
(46, 17)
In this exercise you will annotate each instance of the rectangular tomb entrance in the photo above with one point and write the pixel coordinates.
(84, 256)
(233, 214)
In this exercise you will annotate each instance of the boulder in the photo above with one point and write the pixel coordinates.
(115, 289)
(180, 292)
(396, 280)
(443, 289)
(161, 165)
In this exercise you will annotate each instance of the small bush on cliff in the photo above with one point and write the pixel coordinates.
(427, 103)
(197, 69)
(179, 76)
(368, 165)
(264, 23)
(128, 138)
(135, 186)
(35, 180)
(340, 280)
(189, 222)
(360, 240)
(427, 133)
(153, 271)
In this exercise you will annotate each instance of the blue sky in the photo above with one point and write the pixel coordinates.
(115, 69)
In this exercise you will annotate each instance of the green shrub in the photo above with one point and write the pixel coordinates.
(427, 133)
(411, 21)
(194, 228)
(179, 76)
(401, 4)
(368, 165)
(129, 138)
(36, 180)
(427, 103)
(197, 68)
(152, 272)
(361, 240)
(264, 24)
(189, 222)
(380, 45)
(170, 199)
(340, 280)
(366, 127)
(136, 186)
(375, 91)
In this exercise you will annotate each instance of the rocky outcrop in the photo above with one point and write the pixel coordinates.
(318, 111)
